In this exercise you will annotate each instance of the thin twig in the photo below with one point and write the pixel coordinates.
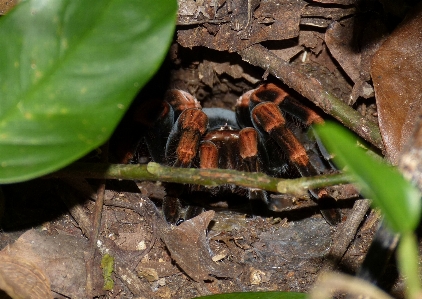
(98, 210)
(346, 233)
(313, 90)
(206, 177)
(190, 23)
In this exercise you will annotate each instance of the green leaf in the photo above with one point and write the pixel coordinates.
(68, 71)
(399, 200)
(258, 295)
(408, 260)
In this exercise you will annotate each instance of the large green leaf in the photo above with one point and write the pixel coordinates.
(258, 295)
(397, 198)
(68, 71)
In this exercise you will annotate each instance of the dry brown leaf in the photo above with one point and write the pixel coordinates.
(396, 72)
(188, 246)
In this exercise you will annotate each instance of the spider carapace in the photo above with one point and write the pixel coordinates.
(258, 137)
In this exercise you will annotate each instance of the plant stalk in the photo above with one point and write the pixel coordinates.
(207, 177)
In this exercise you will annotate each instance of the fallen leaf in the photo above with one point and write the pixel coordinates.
(396, 73)
(188, 246)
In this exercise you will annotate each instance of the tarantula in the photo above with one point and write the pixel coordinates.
(258, 137)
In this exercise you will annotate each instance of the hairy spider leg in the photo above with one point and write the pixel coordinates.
(243, 113)
(272, 93)
(185, 136)
(268, 119)
(222, 140)
(155, 135)
(173, 140)
(208, 155)
(241, 144)
(161, 118)
(265, 104)
(229, 147)
(249, 151)
(180, 101)
(181, 150)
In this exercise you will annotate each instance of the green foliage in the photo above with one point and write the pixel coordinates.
(408, 261)
(68, 71)
(399, 200)
(258, 295)
(107, 264)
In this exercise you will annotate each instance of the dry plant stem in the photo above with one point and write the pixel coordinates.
(313, 90)
(206, 177)
(132, 281)
(300, 186)
(330, 283)
(346, 233)
(98, 210)
(201, 22)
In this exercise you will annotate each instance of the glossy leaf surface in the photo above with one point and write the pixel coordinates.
(397, 198)
(68, 71)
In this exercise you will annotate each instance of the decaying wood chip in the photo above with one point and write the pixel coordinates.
(22, 279)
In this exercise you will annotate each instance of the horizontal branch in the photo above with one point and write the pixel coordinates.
(207, 177)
